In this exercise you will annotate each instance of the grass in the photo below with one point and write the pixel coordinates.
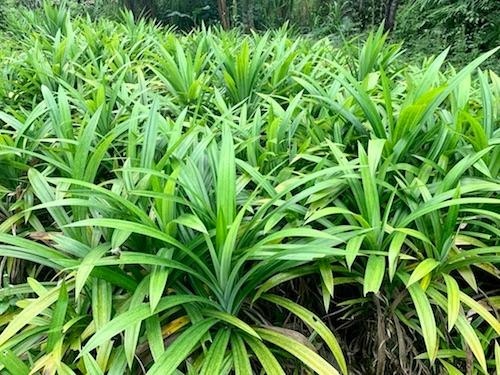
(215, 203)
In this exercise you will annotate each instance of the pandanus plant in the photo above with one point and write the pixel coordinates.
(166, 199)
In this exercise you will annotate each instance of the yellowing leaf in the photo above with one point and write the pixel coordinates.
(422, 270)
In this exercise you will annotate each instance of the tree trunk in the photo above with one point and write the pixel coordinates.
(248, 16)
(223, 14)
(141, 8)
(390, 14)
(251, 10)
(234, 10)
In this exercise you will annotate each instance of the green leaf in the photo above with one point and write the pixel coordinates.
(452, 370)
(452, 291)
(158, 279)
(143, 230)
(497, 357)
(394, 250)
(470, 337)
(226, 186)
(313, 321)
(232, 320)
(58, 317)
(12, 363)
(298, 350)
(213, 361)
(155, 337)
(132, 331)
(463, 326)
(352, 249)
(150, 137)
(30, 312)
(102, 302)
(32, 249)
(426, 318)
(241, 359)
(91, 365)
(325, 270)
(118, 238)
(228, 248)
(481, 311)
(266, 358)
(374, 274)
(83, 147)
(118, 364)
(487, 102)
(132, 316)
(86, 266)
(192, 221)
(423, 269)
(283, 277)
(177, 352)
(45, 193)
(95, 160)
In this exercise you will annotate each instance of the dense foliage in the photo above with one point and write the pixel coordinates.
(467, 27)
(217, 203)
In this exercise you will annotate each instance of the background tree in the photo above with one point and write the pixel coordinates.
(142, 7)
(223, 14)
(248, 14)
(468, 27)
(390, 14)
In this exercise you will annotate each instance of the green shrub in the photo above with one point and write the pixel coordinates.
(469, 27)
(217, 203)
